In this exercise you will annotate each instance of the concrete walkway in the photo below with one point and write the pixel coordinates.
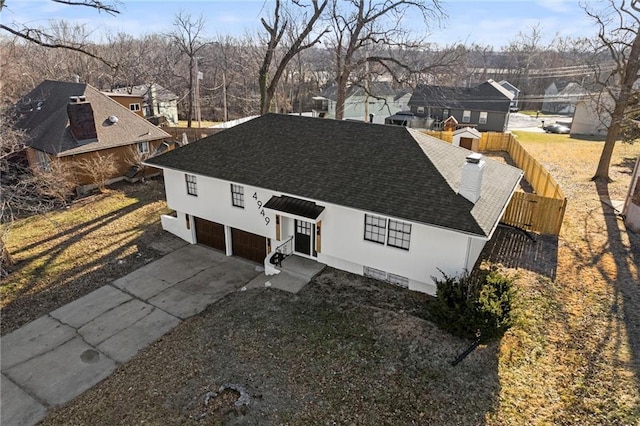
(59, 356)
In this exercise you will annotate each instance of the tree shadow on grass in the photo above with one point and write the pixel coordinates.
(127, 250)
(626, 286)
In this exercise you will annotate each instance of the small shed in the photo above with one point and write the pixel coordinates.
(450, 124)
(631, 210)
(467, 138)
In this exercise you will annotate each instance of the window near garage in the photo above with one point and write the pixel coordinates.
(483, 117)
(143, 147)
(375, 273)
(192, 188)
(398, 280)
(375, 228)
(134, 107)
(466, 116)
(399, 234)
(237, 195)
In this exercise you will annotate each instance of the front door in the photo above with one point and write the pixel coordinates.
(303, 237)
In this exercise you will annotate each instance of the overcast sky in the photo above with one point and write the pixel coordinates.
(493, 22)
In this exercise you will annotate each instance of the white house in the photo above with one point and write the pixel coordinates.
(379, 100)
(376, 200)
(631, 210)
(591, 116)
(561, 98)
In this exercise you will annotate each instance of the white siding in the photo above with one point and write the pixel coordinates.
(343, 243)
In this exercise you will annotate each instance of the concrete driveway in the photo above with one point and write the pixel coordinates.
(57, 357)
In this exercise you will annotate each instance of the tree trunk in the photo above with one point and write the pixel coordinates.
(190, 96)
(341, 95)
(628, 76)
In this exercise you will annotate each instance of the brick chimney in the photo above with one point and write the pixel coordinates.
(471, 181)
(81, 119)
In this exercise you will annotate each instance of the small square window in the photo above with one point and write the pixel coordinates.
(483, 118)
(375, 228)
(420, 110)
(143, 147)
(466, 116)
(134, 107)
(237, 195)
(399, 234)
(192, 188)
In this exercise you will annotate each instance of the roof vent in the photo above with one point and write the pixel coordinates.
(113, 119)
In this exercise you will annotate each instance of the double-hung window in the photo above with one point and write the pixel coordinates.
(393, 233)
(466, 116)
(483, 117)
(192, 187)
(143, 147)
(237, 195)
(375, 228)
(399, 234)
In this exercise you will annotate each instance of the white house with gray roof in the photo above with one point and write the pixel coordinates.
(377, 200)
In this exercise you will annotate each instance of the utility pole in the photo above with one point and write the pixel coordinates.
(199, 77)
(224, 95)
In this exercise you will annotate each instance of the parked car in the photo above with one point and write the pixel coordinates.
(556, 128)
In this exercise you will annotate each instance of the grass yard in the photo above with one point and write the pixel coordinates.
(351, 350)
(66, 254)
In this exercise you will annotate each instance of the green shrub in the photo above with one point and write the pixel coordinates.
(474, 306)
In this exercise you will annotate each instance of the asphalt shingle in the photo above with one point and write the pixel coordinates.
(390, 170)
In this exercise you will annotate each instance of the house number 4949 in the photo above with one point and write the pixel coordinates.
(260, 208)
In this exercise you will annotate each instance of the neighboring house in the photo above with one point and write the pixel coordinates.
(382, 201)
(70, 122)
(135, 103)
(381, 100)
(561, 97)
(590, 116)
(157, 101)
(484, 107)
(515, 91)
(631, 210)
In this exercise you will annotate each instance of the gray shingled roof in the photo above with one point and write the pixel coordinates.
(390, 170)
(44, 117)
(484, 97)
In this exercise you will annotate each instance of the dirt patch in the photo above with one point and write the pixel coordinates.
(346, 349)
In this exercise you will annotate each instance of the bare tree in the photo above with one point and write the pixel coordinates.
(99, 168)
(48, 39)
(361, 27)
(25, 191)
(187, 36)
(619, 35)
(297, 30)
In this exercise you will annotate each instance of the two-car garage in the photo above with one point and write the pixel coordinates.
(243, 244)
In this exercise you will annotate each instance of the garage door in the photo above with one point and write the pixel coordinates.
(210, 233)
(250, 246)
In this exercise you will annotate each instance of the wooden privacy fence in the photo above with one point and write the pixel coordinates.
(541, 211)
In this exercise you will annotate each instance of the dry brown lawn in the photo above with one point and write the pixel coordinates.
(350, 350)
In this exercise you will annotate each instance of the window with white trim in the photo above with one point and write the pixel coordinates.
(375, 228)
(445, 113)
(420, 110)
(143, 147)
(466, 116)
(399, 234)
(237, 195)
(483, 117)
(192, 187)
(44, 162)
(134, 107)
